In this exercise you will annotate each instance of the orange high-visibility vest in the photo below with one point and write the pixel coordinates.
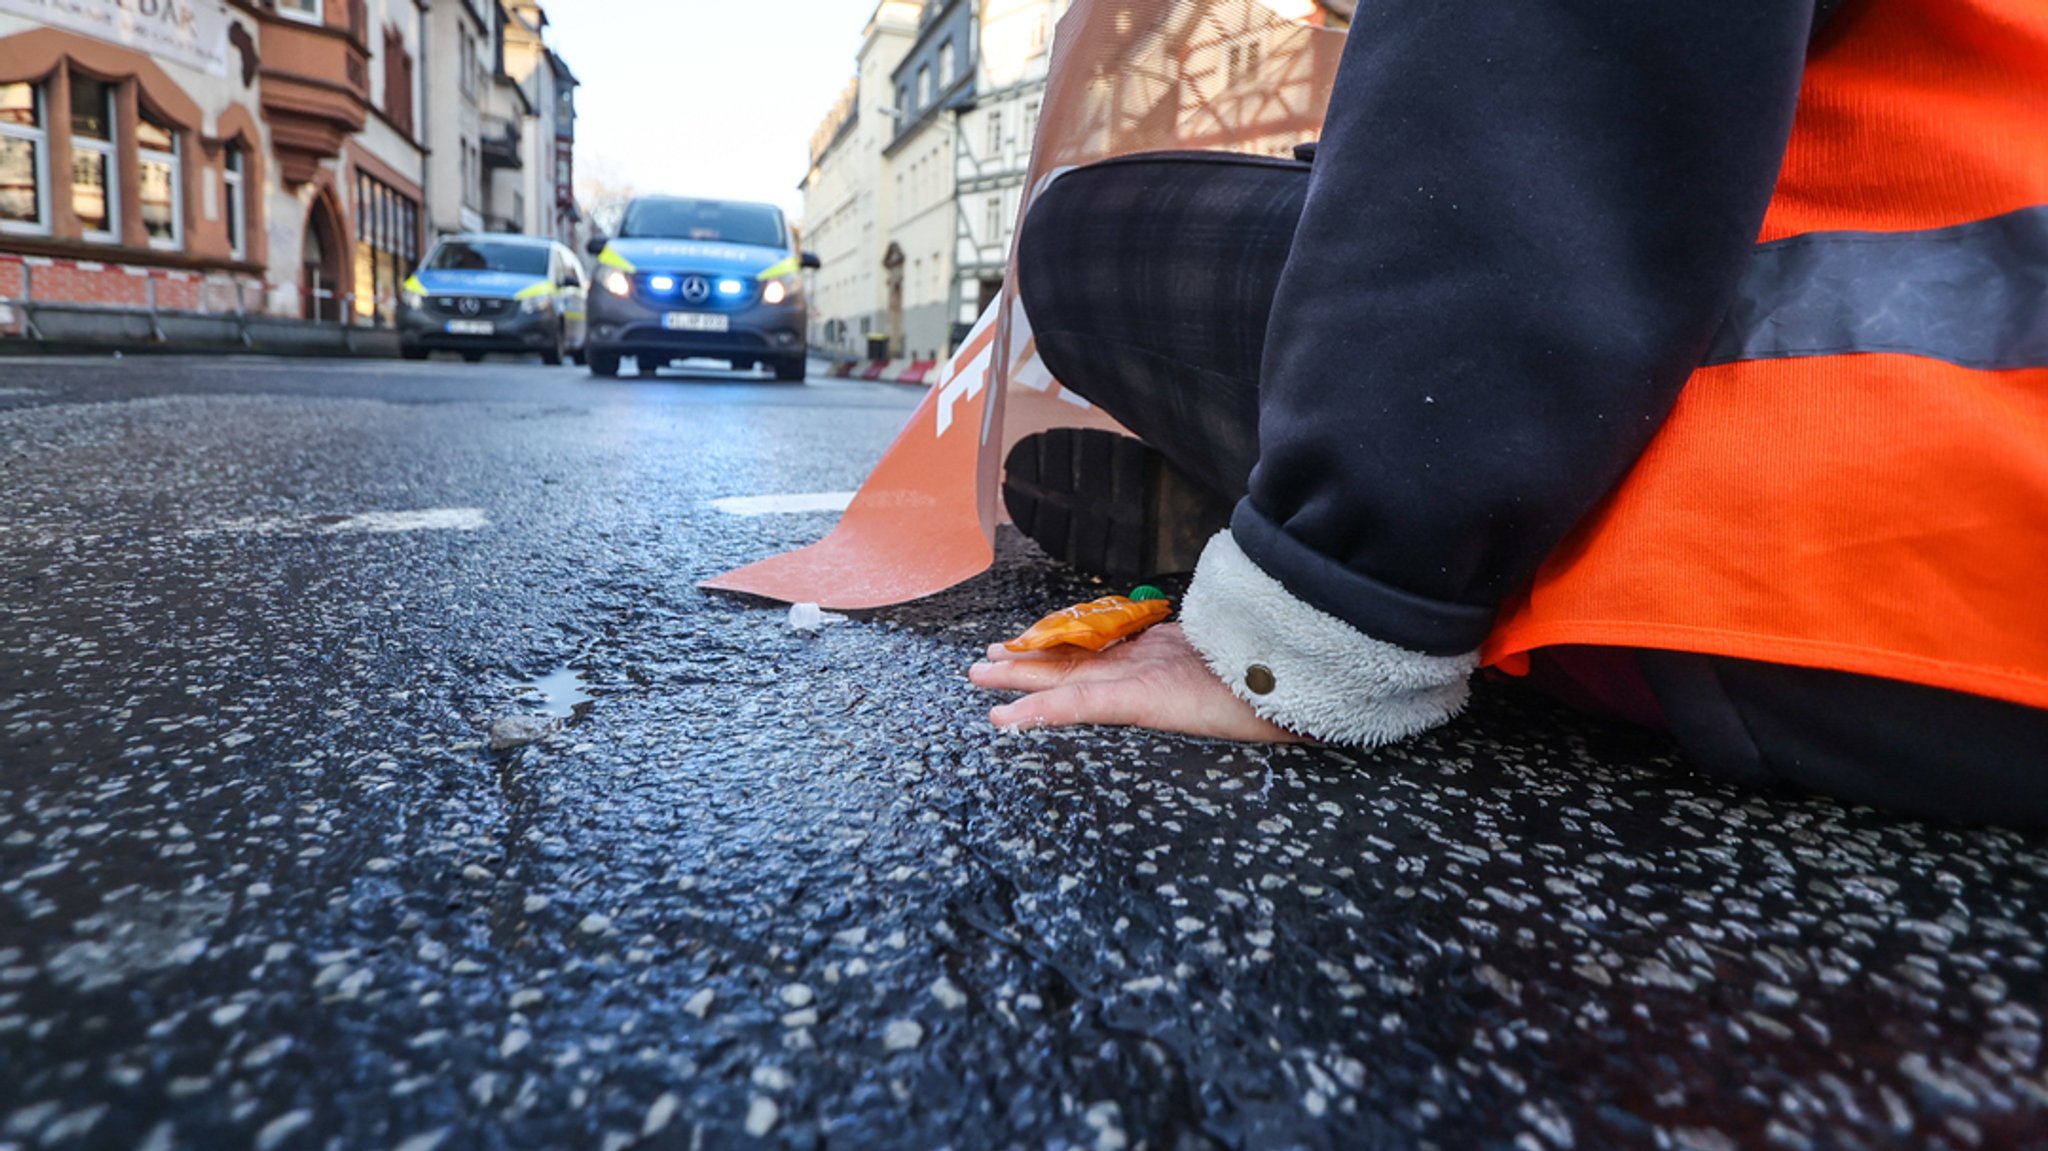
(1859, 479)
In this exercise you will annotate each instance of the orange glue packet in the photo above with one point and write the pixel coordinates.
(1098, 623)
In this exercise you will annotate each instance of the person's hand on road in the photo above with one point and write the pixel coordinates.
(1155, 680)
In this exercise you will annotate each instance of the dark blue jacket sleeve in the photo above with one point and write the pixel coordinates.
(1525, 221)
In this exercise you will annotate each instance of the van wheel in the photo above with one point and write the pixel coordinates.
(792, 370)
(605, 364)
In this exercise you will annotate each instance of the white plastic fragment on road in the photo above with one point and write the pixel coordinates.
(810, 617)
(785, 504)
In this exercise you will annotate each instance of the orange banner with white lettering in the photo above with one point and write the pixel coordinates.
(1131, 76)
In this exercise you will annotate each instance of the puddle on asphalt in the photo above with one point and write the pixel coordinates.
(559, 693)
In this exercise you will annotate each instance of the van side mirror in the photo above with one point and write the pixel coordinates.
(595, 245)
(810, 260)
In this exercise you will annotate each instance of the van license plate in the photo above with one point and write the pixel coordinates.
(471, 328)
(695, 322)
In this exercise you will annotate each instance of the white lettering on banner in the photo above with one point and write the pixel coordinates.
(965, 381)
(965, 384)
(193, 33)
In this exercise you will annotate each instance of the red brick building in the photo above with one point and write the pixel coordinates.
(210, 155)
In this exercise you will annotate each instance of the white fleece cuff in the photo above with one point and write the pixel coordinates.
(1307, 670)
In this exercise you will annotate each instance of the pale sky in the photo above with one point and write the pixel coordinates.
(705, 97)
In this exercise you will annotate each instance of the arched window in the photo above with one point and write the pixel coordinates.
(161, 183)
(95, 188)
(234, 191)
(24, 159)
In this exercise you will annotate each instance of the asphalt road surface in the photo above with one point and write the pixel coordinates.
(263, 883)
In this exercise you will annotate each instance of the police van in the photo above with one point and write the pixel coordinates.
(493, 292)
(691, 278)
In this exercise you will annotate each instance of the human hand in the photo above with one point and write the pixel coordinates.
(1154, 680)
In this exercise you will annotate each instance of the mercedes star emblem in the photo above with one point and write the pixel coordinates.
(470, 305)
(696, 289)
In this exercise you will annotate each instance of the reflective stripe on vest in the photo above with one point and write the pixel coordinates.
(1975, 295)
(1857, 478)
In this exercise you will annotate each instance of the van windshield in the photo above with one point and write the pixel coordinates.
(704, 220)
(490, 256)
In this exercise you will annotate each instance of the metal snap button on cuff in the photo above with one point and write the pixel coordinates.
(1259, 678)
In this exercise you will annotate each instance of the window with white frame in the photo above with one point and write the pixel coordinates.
(234, 192)
(994, 229)
(307, 10)
(1028, 129)
(95, 190)
(24, 159)
(160, 186)
(995, 131)
(946, 62)
(924, 86)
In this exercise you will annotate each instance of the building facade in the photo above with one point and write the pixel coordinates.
(848, 205)
(219, 156)
(285, 158)
(940, 179)
(933, 82)
(993, 158)
(465, 35)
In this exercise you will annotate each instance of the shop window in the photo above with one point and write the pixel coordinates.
(307, 10)
(235, 193)
(95, 195)
(24, 159)
(161, 184)
(387, 247)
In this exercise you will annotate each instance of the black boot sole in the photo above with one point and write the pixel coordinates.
(1108, 504)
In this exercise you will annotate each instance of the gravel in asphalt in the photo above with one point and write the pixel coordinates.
(264, 883)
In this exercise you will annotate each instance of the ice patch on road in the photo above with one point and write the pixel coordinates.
(784, 505)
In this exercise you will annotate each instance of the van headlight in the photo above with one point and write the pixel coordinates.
(412, 299)
(532, 304)
(615, 282)
(776, 292)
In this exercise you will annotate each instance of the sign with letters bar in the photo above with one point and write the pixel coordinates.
(192, 33)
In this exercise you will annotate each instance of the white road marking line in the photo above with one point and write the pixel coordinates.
(422, 520)
(377, 523)
(784, 505)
